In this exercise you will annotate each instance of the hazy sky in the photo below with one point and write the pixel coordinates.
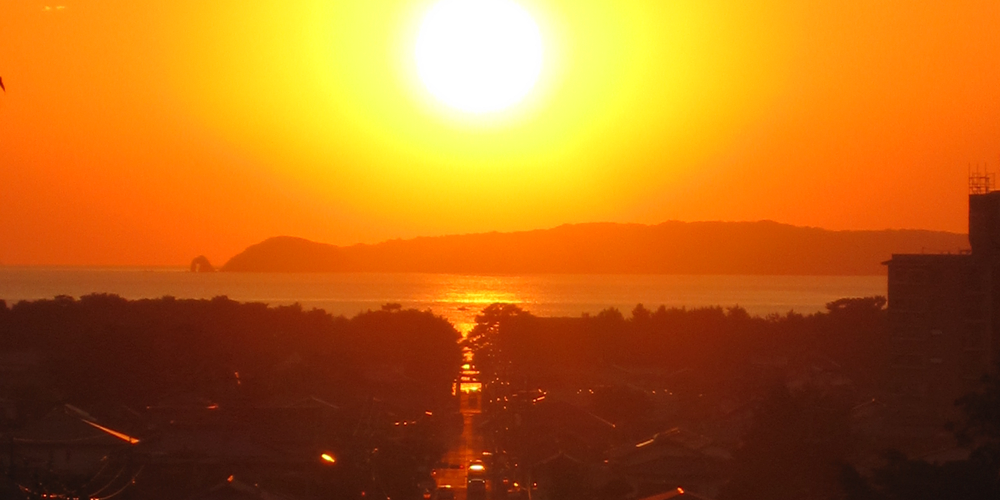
(137, 132)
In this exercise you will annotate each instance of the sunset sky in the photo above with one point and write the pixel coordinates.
(146, 133)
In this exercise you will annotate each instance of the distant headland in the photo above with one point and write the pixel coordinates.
(752, 248)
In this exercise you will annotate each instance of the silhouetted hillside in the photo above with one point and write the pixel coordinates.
(669, 248)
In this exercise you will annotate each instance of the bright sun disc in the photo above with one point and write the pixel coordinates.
(479, 55)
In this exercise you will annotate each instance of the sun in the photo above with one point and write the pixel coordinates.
(479, 56)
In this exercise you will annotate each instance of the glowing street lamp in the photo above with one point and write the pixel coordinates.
(328, 458)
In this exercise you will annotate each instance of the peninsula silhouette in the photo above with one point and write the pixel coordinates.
(754, 248)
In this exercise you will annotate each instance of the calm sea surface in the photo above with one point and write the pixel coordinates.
(456, 297)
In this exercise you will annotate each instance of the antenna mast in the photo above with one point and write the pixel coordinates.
(981, 182)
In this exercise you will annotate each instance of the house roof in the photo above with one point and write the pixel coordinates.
(67, 425)
(679, 494)
(234, 489)
(559, 456)
(571, 418)
(214, 445)
(667, 441)
(313, 402)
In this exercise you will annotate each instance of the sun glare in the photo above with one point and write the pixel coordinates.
(479, 56)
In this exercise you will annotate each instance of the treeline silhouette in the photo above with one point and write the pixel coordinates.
(758, 248)
(713, 350)
(103, 348)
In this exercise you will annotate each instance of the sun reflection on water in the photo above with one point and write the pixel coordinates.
(479, 297)
(461, 304)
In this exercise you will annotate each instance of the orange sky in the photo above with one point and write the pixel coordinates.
(145, 133)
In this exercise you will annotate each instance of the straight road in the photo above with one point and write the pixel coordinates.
(468, 447)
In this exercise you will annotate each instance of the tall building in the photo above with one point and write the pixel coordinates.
(944, 320)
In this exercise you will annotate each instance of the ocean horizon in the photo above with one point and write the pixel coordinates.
(456, 297)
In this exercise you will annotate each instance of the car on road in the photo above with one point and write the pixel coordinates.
(477, 468)
(476, 489)
(444, 492)
(516, 492)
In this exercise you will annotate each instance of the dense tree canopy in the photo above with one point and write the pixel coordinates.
(974, 478)
(103, 348)
(718, 345)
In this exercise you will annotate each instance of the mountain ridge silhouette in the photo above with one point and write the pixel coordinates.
(672, 247)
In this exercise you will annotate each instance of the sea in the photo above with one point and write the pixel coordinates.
(458, 298)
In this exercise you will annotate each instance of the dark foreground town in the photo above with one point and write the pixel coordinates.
(101, 397)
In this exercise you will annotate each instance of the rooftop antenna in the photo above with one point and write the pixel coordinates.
(981, 182)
